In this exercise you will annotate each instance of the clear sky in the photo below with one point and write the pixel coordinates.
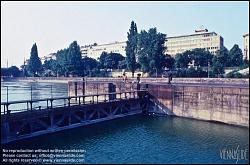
(54, 25)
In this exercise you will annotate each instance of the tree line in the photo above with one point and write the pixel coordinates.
(145, 51)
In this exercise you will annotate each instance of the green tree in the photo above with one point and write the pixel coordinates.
(89, 64)
(61, 62)
(168, 62)
(223, 57)
(218, 66)
(200, 57)
(122, 64)
(74, 59)
(131, 48)
(183, 59)
(50, 67)
(235, 56)
(151, 51)
(34, 65)
(14, 71)
(69, 61)
(110, 60)
(102, 60)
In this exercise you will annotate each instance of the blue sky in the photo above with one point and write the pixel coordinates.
(54, 25)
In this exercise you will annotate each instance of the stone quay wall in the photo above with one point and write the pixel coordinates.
(212, 103)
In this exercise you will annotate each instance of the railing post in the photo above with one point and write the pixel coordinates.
(7, 94)
(31, 105)
(51, 106)
(7, 108)
(83, 99)
(51, 94)
(69, 102)
(31, 92)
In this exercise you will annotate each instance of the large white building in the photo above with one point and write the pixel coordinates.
(94, 51)
(246, 46)
(210, 41)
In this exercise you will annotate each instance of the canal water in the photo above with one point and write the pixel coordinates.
(14, 91)
(148, 139)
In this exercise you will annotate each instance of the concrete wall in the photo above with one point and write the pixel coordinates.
(143, 80)
(213, 103)
(225, 101)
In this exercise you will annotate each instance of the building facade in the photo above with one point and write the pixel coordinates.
(210, 41)
(246, 46)
(94, 51)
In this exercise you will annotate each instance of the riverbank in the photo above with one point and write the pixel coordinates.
(225, 81)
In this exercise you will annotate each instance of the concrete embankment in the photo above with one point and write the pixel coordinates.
(143, 80)
(227, 104)
(222, 100)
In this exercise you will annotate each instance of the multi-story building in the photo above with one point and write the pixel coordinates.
(210, 41)
(94, 51)
(246, 46)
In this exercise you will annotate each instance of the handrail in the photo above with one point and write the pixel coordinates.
(50, 106)
(68, 97)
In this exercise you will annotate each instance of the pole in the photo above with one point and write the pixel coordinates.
(51, 91)
(7, 94)
(31, 92)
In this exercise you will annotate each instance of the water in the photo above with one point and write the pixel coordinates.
(23, 91)
(147, 139)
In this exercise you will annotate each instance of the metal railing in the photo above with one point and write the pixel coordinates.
(71, 100)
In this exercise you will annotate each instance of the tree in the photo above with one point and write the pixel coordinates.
(14, 71)
(110, 60)
(50, 67)
(235, 56)
(168, 62)
(131, 48)
(183, 59)
(74, 59)
(200, 57)
(151, 51)
(89, 64)
(69, 60)
(11, 71)
(217, 67)
(223, 57)
(61, 62)
(122, 64)
(34, 65)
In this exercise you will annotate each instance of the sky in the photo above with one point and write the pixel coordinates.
(54, 25)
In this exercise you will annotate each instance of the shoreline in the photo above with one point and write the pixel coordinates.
(65, 80)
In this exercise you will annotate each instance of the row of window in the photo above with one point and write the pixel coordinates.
(190, 41)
